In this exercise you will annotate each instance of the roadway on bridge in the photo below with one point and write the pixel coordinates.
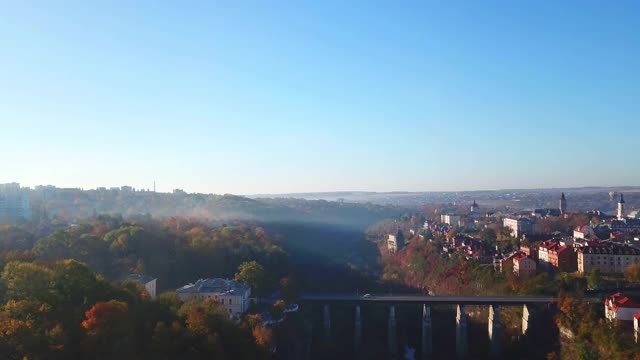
(423, 299)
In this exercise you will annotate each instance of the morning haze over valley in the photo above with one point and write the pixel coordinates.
(303, 181)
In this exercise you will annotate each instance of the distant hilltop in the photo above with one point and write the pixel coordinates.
(125, 200)
(582, 198)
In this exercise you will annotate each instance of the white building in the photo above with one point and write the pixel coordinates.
(518, 226)
(634, 215)
(620, 307)
(453, 220)
(584, 232)
(636, 326)
(395, 242)
(233, 295)
(148, 282)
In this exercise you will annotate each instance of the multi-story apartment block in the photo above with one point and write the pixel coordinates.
(531, 250)
(543, 251)
(524, 265)
(15, 204)
(608, 258)
(395, 242)
(562, 257)
(518, 226)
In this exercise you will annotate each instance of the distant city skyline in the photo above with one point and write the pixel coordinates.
(619, 189)
(257, 98)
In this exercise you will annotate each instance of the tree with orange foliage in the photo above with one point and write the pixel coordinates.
(103, 314)
(263, 336)
(107, 327)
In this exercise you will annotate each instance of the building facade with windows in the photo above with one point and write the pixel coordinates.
(543, 251)
(15, 204)
(518, 226)
(148, 282)
(449, 219)
(524, 265)
(233, 295)
(608, 258)
(395, 242)
(562, 257)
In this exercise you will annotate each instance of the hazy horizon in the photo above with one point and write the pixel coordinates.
(256, 98)
(150, 188)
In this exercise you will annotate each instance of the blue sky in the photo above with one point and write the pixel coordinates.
(265, 97)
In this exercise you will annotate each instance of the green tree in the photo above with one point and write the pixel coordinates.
(253, 274)
(488, 235)
(632, 273)
(28, 281)
(75, 283)
(594, 279)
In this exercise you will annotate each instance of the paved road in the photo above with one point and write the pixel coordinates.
(422, 299)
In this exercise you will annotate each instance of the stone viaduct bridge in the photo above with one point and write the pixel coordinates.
(462, 346)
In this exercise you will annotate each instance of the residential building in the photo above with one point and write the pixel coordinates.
(148, 282)
(543, 251)
(502, 261)
(541, 213)
(449, 219)
(518, 226)
(523, 265)
(233, 295)
(584, 232)
(625, 225)
(562, 257)
(608, 258)
(531, 250)
(395, 242)
(472, 248)
(621, 307)
(15, 204)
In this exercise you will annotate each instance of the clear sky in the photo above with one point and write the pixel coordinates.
(292, 96)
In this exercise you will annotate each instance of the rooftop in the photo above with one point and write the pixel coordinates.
(139, 278)
(622, 301)
(610, 249)
(520, 257)
(217, 285)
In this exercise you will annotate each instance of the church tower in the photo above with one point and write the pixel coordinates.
(621, 208)
(474, 207)
(563, 204)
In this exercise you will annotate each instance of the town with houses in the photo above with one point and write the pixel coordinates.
(609, 244)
